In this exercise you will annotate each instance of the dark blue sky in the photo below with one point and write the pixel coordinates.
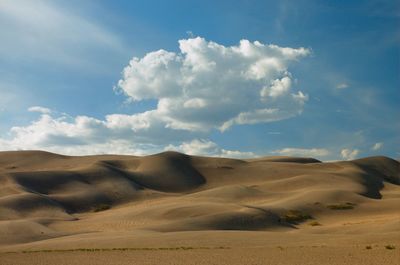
(67, 57)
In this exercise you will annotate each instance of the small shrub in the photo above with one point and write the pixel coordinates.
(341, 206)
(314, 223)
(390, 247)
(294, 216)
(101, 207)
(225, 167)
(368, 247)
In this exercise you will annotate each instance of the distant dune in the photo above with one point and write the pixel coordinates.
(51, 203)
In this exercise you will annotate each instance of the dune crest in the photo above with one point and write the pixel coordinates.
(48, 199)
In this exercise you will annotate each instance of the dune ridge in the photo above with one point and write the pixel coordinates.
(50, 200)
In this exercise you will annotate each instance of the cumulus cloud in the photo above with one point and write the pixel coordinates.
(302, 152)
(72, 135)
(202, 147)
(348, 154)
(205, 87)
(81, 135)
(39, 109)
(377, 146)
(277, 88)
(119, 134)
(208, 85)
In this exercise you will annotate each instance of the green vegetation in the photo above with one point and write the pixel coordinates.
(341, 206)
(295, 216)
(390, 247)
(101, 207)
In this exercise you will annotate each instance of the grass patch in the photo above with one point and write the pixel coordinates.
(341, 206)
(225, 167)
(120, 249)
(390, 247)
(101, 207)
(295, 216)
(314, 223)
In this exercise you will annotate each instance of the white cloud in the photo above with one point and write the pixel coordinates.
(278, 87)
(54, 132)
(342, 86)
(349, 154)
(218, 86)
(39, 109)
(205, 87)
(86, 135)
(302, 152)
(208, 148)
(377, 146)
(118, 134)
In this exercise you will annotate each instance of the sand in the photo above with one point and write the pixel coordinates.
(172, 208)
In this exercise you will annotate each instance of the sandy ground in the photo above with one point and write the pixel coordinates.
(176, 209)
(275, 256)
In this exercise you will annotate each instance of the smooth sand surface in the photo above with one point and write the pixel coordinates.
(171, 208)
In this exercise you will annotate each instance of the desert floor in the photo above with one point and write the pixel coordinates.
(171, 208)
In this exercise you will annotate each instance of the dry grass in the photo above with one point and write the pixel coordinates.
(390, 247)
(295, 216)
(120, 249)
(101, 207)
(341, 206)
(273, 254)
(315, 223)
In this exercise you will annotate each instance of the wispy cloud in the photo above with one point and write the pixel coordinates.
(303, 152)
(349, 154)
(39, 109)
(6, 96)
(377, 146)
(207, 147)
(274, 133)
(52, 32)
(342, 86)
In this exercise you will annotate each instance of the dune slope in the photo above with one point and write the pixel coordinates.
(49, 201)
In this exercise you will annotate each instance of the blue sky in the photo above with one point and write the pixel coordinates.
(254, 78)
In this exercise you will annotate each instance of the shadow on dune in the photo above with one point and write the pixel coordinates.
(375, 171)
(193, 193)
(168, 172)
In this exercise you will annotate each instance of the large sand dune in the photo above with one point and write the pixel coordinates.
(180, 209)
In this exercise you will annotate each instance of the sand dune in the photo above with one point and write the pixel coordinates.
(55, 202)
